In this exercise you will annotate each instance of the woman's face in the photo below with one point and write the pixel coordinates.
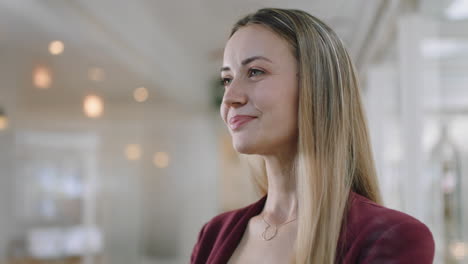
(261, 87)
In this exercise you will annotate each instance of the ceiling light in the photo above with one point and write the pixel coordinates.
(140, 94)
(161, 159)
(42, 77)
(56, 47)
(93, 106)
(133, 151)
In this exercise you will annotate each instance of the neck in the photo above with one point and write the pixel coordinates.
(281, 203)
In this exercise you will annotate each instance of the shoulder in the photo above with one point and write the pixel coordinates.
(377, 234)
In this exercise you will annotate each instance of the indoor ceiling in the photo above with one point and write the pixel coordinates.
(174, 48)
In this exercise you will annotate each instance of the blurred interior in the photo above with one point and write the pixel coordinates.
(112, 149)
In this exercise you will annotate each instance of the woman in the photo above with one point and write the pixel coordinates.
(292, 98)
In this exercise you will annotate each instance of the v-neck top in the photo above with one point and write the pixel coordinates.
(373, 234)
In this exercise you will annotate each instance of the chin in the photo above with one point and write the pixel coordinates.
(245, 148)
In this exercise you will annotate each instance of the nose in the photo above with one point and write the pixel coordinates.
(233, 96)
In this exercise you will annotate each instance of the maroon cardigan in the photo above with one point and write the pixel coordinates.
(373, 234)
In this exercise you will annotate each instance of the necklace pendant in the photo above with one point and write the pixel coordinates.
(267, 236)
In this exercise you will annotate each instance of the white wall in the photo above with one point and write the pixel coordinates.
(137, 203)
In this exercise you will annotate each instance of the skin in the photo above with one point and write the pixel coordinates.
(266, 88)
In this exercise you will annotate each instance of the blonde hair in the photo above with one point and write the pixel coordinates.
(333, 154)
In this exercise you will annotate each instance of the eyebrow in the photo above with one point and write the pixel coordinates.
(247, 61)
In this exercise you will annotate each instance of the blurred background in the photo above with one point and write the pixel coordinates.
(112, 149)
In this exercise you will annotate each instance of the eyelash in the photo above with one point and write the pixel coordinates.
(223, 80)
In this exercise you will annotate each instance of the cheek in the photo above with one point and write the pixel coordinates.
(276, 94)
(279, 99)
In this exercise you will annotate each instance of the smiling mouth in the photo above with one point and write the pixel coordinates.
(240, 122)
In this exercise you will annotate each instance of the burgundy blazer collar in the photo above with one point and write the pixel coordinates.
(234, 234)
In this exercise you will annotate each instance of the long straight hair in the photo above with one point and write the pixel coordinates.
(333, 155)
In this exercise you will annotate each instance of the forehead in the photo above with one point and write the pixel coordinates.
(254, 40)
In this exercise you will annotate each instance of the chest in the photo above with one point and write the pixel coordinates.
(253, 249)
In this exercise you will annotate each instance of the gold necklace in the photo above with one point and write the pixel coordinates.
(264, 234)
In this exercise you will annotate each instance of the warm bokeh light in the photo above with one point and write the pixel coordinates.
(93, 106)
(3, 122)
(56, 47)
(96, 74)
(459, 250)
(133, 151)
(161, 159)
(140, 94)
(42, 77)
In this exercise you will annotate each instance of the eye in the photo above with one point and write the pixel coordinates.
(255, 72)
(225, 81)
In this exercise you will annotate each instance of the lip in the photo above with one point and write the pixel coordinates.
(239, 120)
